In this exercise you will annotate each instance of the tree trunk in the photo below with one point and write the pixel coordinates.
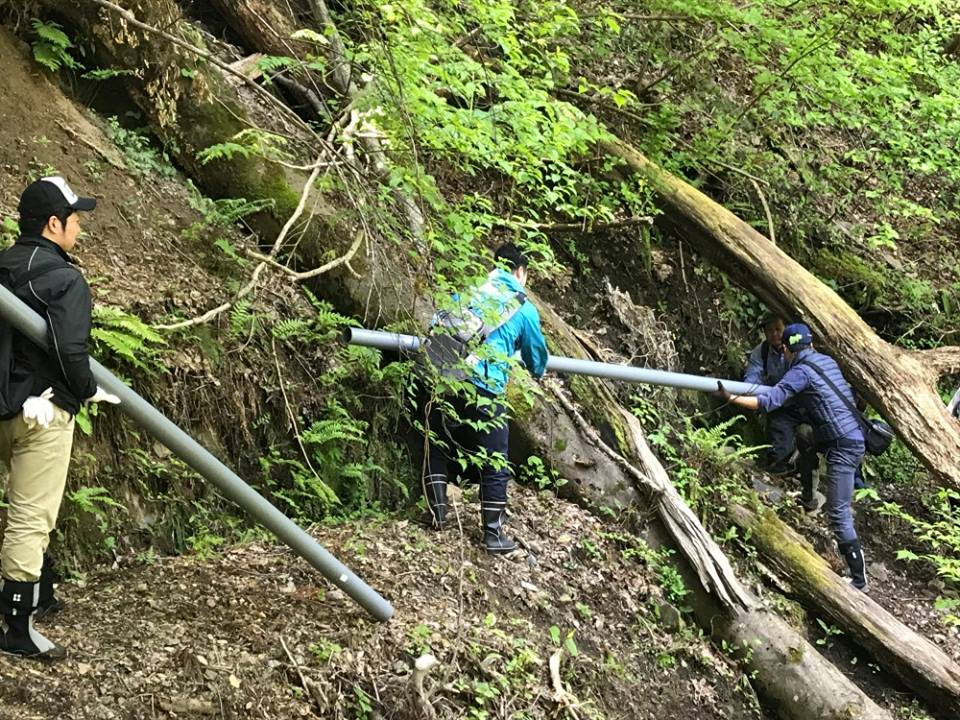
(900, 384)
(921, 665)
(794, 679)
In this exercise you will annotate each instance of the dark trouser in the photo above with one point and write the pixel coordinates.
(454, 433)
(782, 426)
(843, 463)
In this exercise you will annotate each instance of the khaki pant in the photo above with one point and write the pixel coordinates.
(38, 459)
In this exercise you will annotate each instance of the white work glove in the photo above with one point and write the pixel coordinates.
(38, 410)
(102, 395)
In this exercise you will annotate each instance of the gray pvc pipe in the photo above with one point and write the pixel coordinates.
(572, 366)
(24, 319)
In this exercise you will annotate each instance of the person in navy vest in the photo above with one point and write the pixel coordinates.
(837, 431)
(788, 432)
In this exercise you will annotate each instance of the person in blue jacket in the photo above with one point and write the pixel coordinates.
(837, 431)
(475, 421)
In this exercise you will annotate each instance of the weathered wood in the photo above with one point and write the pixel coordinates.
(919, 663)
(900, 384)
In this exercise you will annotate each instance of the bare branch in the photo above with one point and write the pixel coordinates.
(583, 227)
(942, 360)
(766, 209)
(308, 274)
(265, 261)
(304, 194)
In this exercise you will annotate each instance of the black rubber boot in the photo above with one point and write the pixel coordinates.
(48, 603)
(435, 491)
(495, 540)
(18, 602)
(855, 561)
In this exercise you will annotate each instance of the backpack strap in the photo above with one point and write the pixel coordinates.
(847, 401)
(764, 355)
(488, 330)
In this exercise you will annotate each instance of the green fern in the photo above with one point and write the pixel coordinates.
(242, 319)
(293, 328)
(52, 46)
(127, 337)
(93, 499)
(251, 142)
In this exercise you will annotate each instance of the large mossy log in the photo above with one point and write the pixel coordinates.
(794, 679)
(900, 384)
(919, 663)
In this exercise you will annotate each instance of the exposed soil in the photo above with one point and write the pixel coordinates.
(188, 637)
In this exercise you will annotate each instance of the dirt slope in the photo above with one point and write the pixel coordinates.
(185, 637)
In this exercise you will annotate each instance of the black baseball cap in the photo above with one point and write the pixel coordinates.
(51, 196)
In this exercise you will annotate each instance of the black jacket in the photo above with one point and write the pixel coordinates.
(62, 297)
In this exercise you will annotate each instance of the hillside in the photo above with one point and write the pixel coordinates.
(268, 173)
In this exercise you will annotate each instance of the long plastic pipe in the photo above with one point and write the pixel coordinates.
(24, 319)
(572, 366)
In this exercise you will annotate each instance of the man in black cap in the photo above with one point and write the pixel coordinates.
(47, 386)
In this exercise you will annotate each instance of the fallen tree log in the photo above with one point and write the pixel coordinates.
(793, 678)
(900, 384)
(919, 663)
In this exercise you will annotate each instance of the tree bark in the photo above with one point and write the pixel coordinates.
(611, 462)
(921, 665)
(900, 384)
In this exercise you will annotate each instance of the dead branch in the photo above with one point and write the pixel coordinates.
(265, 261)
(943, 360)
(304, 194)
(309, 274)
(583, 227)
(710, 564)
(766, 209)
(563, 697)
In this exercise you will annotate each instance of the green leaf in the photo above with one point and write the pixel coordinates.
(310, 36)
(555, 635)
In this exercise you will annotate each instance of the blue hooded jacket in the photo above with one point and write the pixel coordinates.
(832, 419)
(493, 301)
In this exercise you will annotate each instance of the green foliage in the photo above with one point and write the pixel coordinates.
(96, 501)
(141, 158)
(694, 452)
(840, 111)
(467, 114)
(219, 215)
(9, 232)
(93, 499)
(535, 472)
(126, 337)
(107, 73)
(830, 632)
(937, 533)
(251, 142)
(51, 46)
